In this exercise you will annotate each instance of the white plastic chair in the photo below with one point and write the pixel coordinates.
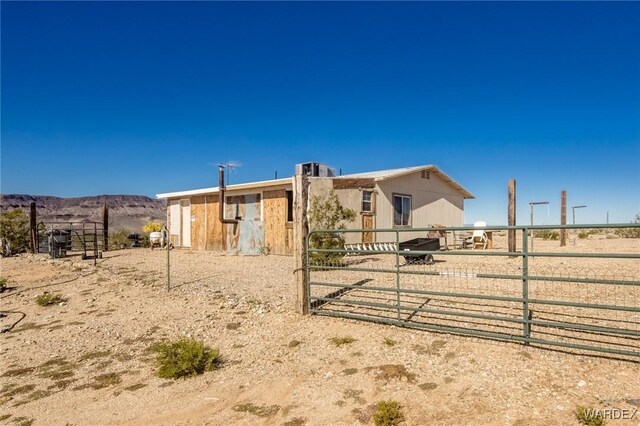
(479, 236)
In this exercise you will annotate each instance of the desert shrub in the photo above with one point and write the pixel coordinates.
(388, 413)
(48, 299)
(118, 239)
(3, 284)
(145, 240)
(14, 232)
(629, 232)
(184, 358)
(150, 227)
(583, 235)
(328, 213)
(589, 416)
(339, 341)
(546, 234)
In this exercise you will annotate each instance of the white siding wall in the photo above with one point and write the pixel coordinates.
(433, 201)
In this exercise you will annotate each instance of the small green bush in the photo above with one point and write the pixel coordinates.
(583, 235)
(118, 239)
(3, 284)
(14, 232)
(588, 417)
(48, 299)
(328, 214)
(185, 358)
(389, 342)
(339, 341)
(388, 413)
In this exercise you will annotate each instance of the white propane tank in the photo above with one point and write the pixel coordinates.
(156, 238)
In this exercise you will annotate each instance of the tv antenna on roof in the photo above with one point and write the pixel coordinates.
(230, 166)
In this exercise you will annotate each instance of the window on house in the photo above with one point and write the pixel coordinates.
(289, 206)
(401, 210)
(367, 205)
(426, 174)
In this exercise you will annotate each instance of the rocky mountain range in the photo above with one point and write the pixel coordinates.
(128, 212)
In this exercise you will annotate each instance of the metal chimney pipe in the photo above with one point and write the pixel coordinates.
(221, 199)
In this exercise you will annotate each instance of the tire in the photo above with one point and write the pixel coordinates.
(430, 258)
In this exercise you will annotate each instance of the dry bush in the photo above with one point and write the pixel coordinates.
(185, 358)
(388, 413)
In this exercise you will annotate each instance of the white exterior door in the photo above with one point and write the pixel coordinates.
(175, 221)
(186, 223)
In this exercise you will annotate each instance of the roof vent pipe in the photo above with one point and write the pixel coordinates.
(221, 199)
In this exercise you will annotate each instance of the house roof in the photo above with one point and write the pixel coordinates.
(380, 175)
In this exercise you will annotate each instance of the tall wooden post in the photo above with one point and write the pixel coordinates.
(105, 227)
(512, 216)
(563, 217)
(33, 228)
(300, 236)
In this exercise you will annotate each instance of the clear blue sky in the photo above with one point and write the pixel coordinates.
(142, 98)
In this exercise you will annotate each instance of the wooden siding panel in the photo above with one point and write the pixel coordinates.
(345, 183)
(198, 222)
(214, 231)
(277, 236)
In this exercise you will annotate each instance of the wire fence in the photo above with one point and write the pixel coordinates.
(586, 300)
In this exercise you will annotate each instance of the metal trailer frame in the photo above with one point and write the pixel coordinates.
(86, 237)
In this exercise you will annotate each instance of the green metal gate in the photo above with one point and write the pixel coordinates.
(583, 297)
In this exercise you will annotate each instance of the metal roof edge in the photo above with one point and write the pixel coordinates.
(229, 188)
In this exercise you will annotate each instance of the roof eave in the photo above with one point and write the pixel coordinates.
(466, 194)
(229, 188)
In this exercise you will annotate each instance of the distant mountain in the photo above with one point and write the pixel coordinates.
(128, 212)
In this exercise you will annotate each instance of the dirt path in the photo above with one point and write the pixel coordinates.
(87, 361)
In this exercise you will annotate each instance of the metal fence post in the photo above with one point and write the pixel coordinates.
(525, 286)
(166, 237)
(398, 272)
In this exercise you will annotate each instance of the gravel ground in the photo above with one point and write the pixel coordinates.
(87, 360)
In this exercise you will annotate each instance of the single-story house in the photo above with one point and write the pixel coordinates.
(412, 197)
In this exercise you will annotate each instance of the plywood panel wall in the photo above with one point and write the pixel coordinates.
(198, 230)
(215, 235)
(277, 236)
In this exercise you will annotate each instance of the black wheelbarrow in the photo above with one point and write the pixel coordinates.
(419, 244)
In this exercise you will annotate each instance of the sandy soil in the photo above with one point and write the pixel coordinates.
(87, 360)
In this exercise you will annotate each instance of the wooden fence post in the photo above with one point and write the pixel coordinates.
(512, 215)
(105, 227)
(33, 228)
(563, 217)
(300, 236)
